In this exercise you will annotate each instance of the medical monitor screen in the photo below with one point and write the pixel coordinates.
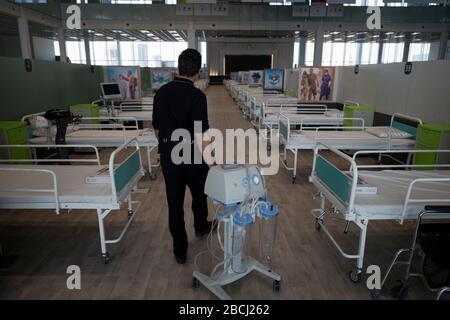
(110, 89)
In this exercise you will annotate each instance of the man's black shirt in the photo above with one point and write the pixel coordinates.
(176, 106)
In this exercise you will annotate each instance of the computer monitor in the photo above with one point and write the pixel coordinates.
(273, 80)
(111, 90)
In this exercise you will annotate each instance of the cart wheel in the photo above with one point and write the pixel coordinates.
(355, 276)
(293, 179)
(195, 283)
(400, 291)
(276, 285)
(130, 213)
(105, 258)
(317, 225)
(375, 294)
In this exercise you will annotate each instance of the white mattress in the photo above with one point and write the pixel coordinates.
(350, 140)
(106, 138)
(72, 187)
(392, 187)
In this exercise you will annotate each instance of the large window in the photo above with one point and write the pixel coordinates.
(419, 51)
(392, 52)
(339, 53)
(309, 54)
(369, 52)
(144, 54)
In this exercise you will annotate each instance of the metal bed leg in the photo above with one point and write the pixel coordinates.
(347, 226)
(294, 174)
(149, 160)
(130, 207)
(101, 228)
(355, 275)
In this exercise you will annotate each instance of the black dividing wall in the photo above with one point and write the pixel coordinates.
(234, 63)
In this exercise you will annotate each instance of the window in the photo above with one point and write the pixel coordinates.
(419, 51)
(309, 53)
(392, 52)
(339, 53)
(369, 52)
(144, 54)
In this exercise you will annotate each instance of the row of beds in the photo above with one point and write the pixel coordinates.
(49, 183)
(405, 191)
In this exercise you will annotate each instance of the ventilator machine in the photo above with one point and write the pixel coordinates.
(240, 195)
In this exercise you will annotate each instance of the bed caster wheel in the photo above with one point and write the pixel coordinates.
(276, 286)
(355, 276)
(105, 258)
(130, 213)
(400, 291)
(317, 225)
(293, 180)
(195, 283)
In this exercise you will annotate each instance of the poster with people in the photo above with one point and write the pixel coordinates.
(160, 76)
(128, 78)
(316, 84)
(273, 79)
(256, 77)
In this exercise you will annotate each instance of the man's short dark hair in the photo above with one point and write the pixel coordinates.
(189, 62)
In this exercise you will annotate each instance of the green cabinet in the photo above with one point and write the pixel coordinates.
(432, 137)
(14, 132)
(363, 112)
(86, 110)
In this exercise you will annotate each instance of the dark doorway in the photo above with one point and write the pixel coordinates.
(235, 63)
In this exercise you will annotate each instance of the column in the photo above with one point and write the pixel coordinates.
(62, 45)
(24, 35)
(302, 50)
(380, 49)
(406, 48)
(191, 38)
(86, 48)
(443, 45)
(318, 47)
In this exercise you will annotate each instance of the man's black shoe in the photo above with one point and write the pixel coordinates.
(203, 233)
(181, 258)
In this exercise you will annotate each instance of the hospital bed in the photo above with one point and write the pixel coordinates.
(402, 191)
(115, 132)
(141, 112)
(298, 114)
(400, 135)
(43, 184)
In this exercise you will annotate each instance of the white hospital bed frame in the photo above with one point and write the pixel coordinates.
(330, 181)
(125, 175)
(285, 134)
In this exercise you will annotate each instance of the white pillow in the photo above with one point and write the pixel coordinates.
(385, 132)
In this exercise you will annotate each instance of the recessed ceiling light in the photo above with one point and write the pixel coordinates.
(351, 36)
(326, 36)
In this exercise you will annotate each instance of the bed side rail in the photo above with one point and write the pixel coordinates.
(284, 128)
(128, 171)
(118, 123)
(339, 183)
(33, 147)
(400, 166)
(53, 189)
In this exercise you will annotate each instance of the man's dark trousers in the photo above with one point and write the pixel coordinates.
(177, 177)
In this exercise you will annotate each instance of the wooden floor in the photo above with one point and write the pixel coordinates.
(143, 267)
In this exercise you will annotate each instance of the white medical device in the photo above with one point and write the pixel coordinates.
(110, 90)
(241, 195)
(231, 184)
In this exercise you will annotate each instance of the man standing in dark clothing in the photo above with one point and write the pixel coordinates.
(176, 106)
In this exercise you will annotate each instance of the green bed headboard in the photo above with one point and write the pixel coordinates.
(127, 170)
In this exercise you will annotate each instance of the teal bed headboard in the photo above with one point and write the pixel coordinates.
(411, 129)
(127, 170)
(336, 180)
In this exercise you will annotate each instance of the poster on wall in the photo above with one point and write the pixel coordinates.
(256, 77)
(160, 76)
(245, 77)
(128, 78)
(316, 84)
(273, 79)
